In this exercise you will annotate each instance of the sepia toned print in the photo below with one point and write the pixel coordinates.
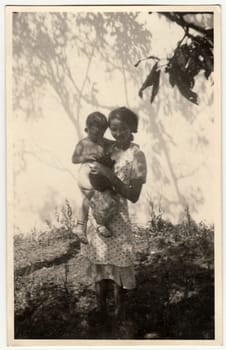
(113, 175)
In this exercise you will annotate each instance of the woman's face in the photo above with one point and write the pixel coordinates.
(120, 131)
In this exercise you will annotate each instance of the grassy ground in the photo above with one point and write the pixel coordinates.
(174, 298)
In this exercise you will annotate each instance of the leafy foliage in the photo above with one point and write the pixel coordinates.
(188, 59)
(152, 80)
(174, 298)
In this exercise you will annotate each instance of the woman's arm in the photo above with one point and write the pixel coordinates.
(130, 192)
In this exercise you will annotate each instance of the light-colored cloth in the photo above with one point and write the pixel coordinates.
(113, 257)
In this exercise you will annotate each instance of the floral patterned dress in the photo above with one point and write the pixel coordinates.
(113, 257)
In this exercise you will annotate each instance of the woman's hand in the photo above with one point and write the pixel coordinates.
(97, 168)
(130, 192)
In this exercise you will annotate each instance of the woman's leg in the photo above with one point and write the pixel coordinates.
(119, 301)
(101, 295)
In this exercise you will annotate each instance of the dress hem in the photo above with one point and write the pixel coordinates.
(122, 276)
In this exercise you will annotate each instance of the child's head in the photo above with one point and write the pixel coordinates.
(96, 125)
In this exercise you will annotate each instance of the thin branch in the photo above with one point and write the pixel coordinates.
(58, 89)
(194, 171)
(197, 13)
(174, 178)
(194, 38)
(157, 127)
(86, 99)
(125, 86)
(100, 51)
(84, 82)
(163, 131)
(192, 13)
(184, 36)
(58, 166)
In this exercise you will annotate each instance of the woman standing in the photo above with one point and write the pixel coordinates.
(111, 258)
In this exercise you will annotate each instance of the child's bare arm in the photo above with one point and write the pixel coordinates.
(77, 156)
(80, 154)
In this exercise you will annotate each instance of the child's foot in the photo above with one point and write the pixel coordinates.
(103, 231)
(79, 231)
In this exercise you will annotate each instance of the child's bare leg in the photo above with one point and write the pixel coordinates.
(80, 230)
(83, 211)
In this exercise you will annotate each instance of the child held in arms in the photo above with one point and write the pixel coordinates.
(91, 149)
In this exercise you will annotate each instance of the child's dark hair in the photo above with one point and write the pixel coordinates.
(125, 115)
(96, 118)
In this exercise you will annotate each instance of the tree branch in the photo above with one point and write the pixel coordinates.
(54, 163)
(58, 89)
(192, 172)
(125, 86)
(157, 127)
(178, 18)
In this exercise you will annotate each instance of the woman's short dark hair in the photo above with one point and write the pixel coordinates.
(126, 116)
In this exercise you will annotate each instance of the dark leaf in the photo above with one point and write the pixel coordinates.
(155, 88)
(209, 34)
(140, 93)
(188, 93)
(208, 66)
(182, 56)
(187, 62)
(171, 77)
(149, 80)
(193, 68)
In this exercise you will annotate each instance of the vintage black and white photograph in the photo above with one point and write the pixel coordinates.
(113, 174)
